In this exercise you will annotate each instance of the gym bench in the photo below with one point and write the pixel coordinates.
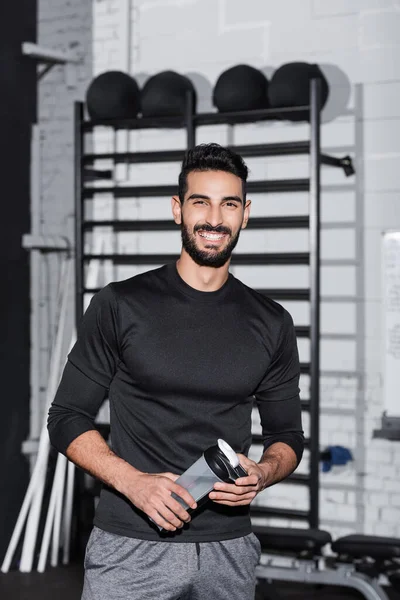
(358, 563)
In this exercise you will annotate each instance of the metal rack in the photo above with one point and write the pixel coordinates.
(84, 171)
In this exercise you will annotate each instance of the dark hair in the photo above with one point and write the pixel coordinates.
(211, 157)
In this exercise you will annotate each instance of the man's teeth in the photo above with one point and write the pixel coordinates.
(212, 236)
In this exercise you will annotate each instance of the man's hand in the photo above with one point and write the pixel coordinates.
(151, 493)
(245, 489)
(277, 462)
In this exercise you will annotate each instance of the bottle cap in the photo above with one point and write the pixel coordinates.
(229, 453)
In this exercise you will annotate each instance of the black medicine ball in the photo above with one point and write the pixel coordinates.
(113, 95)
(165, 95)
(241, 88)
(290, 86)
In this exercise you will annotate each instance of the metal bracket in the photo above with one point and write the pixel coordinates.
(346, 163)
(48, 57)
(390, 429)
(45, 243)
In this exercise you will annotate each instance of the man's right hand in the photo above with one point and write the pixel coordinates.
(151, 493)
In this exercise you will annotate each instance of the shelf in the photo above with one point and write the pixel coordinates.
(214, 118)
(138, 123)
(274, 185)
(157, 156)
(275, 149)
(246, 116)
(278, 185)
(131, 192)
(136, 157)
(97, 174)
(247, 151)
(283, 513)
(286, 294)
(298, 479)
(303, 330)
(295, 222)
(288, 258)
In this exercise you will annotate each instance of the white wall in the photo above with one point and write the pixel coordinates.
(355, 43)
(63, 25)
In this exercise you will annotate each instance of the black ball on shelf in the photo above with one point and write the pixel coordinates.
(290, 86)
(241, 88)
(113, 95)
(165, 95)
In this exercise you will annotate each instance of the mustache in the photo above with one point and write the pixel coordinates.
(210, 229)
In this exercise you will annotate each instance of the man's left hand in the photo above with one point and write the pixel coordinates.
(245, 489)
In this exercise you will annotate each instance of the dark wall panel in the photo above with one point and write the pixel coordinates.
(17, 113)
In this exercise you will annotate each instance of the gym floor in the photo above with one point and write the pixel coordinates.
(65, 583)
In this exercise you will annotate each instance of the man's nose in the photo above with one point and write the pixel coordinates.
(214, 216)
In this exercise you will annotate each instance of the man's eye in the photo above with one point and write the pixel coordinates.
(231, 204)
(199, 202)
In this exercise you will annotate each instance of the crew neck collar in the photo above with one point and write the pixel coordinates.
(188, 290)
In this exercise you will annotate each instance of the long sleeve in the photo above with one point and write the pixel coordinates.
(88, 373)
(277, 395)
(74, 408)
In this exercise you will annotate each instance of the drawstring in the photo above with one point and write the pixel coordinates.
(198, 554)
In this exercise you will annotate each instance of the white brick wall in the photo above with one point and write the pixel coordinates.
(355, 43)
(62, 25)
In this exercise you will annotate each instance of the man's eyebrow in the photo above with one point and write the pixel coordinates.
(232, 198)
(198, 196)
(224, 198)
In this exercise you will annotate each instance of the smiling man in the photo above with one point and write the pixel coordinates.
(182, 352)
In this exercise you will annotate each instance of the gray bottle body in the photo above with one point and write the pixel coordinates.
(213, 465)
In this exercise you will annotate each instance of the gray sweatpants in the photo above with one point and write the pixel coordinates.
(123, 568)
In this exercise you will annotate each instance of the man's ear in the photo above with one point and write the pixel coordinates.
(246, 214)
(176, 209)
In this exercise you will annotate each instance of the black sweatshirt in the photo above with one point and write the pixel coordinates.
(181, 369)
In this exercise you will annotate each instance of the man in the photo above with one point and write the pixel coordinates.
(182, 352)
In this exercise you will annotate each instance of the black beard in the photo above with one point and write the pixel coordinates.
(202, 257)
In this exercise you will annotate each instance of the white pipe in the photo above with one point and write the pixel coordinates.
(34, 495)
(69, 497)
(21, 519)
(60, 485)
(35, 192)
(50, 519)
(36, 484)
(55, 507)
(54, 377)
(47, 531)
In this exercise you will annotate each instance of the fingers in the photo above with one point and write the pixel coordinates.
(237, 488)
(167, 510)
(166, 519)
(184, 494)
(168, 513)
(174, 504)
(227, 495)
(242, 492)
(251, 479)
(232, 499)
(180, 491)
